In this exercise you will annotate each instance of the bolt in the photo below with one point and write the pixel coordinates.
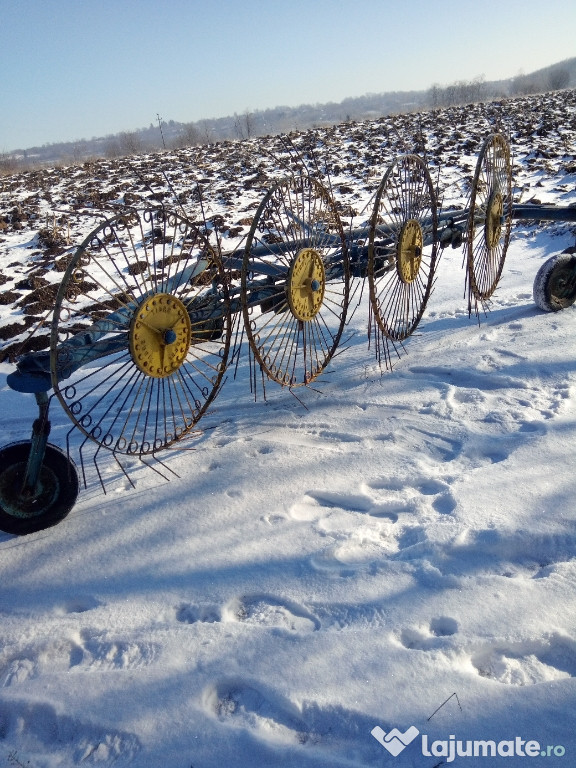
(170, 336)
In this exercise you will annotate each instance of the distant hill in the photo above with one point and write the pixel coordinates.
(282, 119)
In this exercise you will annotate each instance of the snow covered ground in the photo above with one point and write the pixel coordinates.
(395, 551)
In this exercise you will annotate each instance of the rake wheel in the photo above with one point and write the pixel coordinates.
(489, 218)
(295, 281)
(141, 332)
(402, 247)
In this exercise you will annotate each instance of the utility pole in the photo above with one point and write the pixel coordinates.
(161, 132)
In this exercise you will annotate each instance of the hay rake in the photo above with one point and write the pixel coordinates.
(148, 312)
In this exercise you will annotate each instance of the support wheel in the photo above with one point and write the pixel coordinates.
(295, 281)
(489, 218)
(402, 247)
(54, 498)
(141, 332)
(555, 283)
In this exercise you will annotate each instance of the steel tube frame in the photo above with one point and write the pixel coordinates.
(88, 345)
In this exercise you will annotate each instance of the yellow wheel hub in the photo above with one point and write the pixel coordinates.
(409, 250)
(493, 224)
(305, 285)
(160, 335)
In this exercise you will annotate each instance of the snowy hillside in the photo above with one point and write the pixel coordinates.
(383, 552)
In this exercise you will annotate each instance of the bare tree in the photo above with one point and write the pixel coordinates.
(523, 85)
(559, 79)
(130, 143)
(207, 132)
(189, 137)
(244, 125)
(9, 164)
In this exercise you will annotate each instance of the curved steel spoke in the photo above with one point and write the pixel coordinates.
(489, 220)
(154, 271)
(406, 208)
(296, 235)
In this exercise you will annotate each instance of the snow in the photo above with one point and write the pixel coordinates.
(387, 551)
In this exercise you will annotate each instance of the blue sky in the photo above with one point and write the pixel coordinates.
(73, 69)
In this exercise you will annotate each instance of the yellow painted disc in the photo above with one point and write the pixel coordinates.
(409, 250)
(493, 224)
(160, 335)
(305, 285)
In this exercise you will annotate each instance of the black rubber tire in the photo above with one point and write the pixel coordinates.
(551, 283)
(60, 480)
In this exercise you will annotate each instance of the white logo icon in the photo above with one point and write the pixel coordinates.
(394, 741)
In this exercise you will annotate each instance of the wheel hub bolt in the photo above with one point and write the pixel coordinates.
(169, 336)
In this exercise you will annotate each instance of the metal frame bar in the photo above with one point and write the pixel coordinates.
(86, 347)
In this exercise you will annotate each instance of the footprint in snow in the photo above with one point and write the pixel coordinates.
(432, 445)
(521, 663)
(89, 654)
(269, 715)
(402, 496)
(189, 613)
(80, 604)
(98, 654)
(38, 727)
(269, 611)
(528, 663)
(255, 610)
(379, 532)
(358, 551)
(316, 504)
(430, 637)
(519, 549)
(445, 503)
(273, 718)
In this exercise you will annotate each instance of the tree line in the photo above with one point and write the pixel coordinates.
(170, 135)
